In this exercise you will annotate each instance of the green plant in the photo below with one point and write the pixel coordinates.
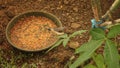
(99, 37)
(26, 65)
(98, 62)
(11, 60)
(65, 38)
(7, 62)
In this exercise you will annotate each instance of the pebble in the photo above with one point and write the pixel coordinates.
(69, 31)
(71, 19)
(86, 23)
(73, 44)
(75, 25)
(75, 9)
(66, 2)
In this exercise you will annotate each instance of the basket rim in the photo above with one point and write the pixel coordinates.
(17, 16)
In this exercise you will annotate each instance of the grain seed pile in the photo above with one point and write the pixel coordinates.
(31, 33)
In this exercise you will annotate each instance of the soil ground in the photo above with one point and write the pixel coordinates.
(74, 15)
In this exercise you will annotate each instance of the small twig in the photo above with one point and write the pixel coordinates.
(109, 24)
(105, 16)
(58, 33)
(106, 23)
(96, 9)
(118, 20)
(59, 29)
(110, 17)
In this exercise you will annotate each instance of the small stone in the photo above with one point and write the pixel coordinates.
(75, 25)
(75, 9)
(81, 22)
(73, 44)
(86, 23)
(60, 7)
(71, 19)
(69, 31)
(81, 36)
(66, 1)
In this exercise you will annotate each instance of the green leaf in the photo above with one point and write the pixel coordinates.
(33, 65)
(99, 60)
(14, 66)
(83, 57)
(55, 45)
(89, 45)
(97, 33)
(90, 66)
(114, 31)
(77, 33)
(65, 41)
(83, 47)
(87, 51)
(119, 60)
(24, 65)
(111, 55)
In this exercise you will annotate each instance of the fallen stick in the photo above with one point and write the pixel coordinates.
(96, 9)
(110, 22)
